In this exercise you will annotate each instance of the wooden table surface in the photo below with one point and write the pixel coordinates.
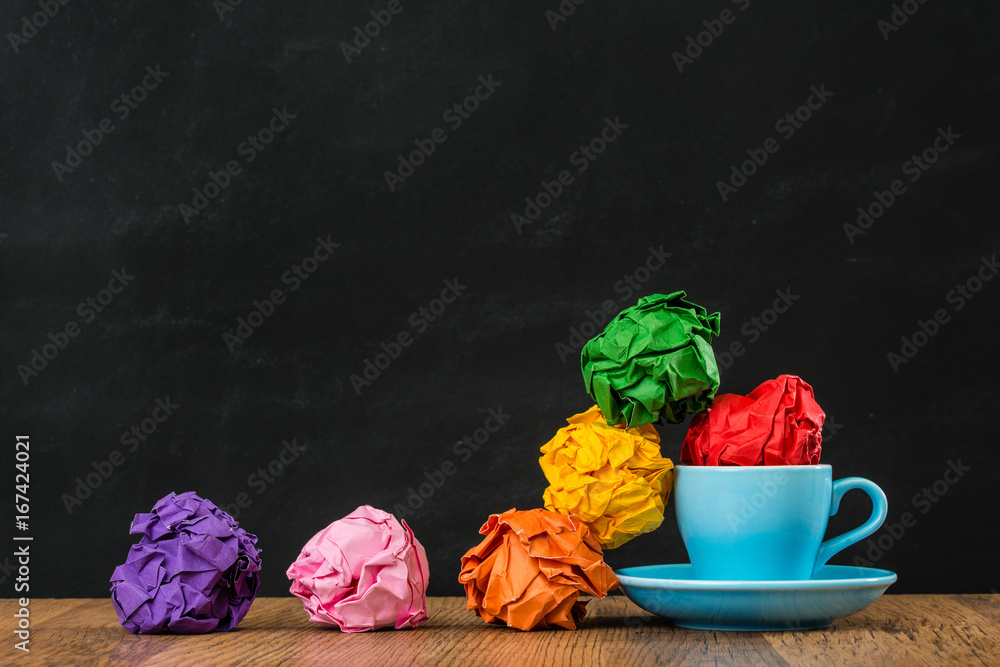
(897, 630)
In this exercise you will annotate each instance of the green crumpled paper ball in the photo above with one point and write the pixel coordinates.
(655, 357)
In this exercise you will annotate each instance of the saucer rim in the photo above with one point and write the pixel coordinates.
(629, 576)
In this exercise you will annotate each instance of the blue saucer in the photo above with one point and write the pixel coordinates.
(671, 591)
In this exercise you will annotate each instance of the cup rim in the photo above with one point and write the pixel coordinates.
(814, 466)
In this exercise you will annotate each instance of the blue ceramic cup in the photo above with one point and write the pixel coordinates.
(765, 523)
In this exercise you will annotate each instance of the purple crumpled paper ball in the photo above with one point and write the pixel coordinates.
(194, 570)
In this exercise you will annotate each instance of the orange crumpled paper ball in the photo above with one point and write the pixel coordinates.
(530, 569)
(612, 478)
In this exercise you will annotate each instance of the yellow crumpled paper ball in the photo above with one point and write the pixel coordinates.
(612, 478)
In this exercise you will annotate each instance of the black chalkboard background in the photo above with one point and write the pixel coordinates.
(225, 72)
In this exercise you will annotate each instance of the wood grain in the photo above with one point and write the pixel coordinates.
(896, 630)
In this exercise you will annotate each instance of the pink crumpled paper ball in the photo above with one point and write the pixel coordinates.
(363, 572)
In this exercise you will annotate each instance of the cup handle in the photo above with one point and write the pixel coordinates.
(880, 508)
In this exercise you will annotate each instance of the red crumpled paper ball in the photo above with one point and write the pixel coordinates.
(778, 423)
